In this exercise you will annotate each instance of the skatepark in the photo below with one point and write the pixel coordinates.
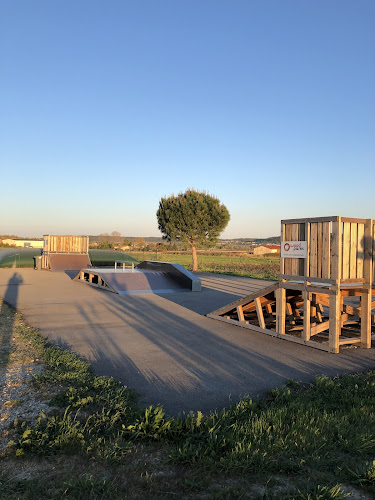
(162, 345)
(203, 341)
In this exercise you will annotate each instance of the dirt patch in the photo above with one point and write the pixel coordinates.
(19, 364)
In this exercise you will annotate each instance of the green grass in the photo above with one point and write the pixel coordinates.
(18, 257)
(301, 442)
(249, 266)
(107, 257)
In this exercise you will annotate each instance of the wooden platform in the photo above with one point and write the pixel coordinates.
(324, 299)
(258, 312)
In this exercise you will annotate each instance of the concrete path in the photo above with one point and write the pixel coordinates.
(162, 346)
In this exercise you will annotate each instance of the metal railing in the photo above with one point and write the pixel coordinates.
(124, 263)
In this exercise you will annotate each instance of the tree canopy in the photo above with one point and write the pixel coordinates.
(194, 216)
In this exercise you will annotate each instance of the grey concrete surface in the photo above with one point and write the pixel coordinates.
(163, 347)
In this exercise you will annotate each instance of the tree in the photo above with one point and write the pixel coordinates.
(195, 217)
(139, 243)
(116, 238)
(103, 238)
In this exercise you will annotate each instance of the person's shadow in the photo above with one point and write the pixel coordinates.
(7, 318)
(11, 294)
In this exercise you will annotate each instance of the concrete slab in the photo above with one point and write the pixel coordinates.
(162, 346)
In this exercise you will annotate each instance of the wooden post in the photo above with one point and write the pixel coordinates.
(334, 299)
(280, 309)
(306, 313)
(307, 260)
(240, 314)
(258, 307)
(367, 287)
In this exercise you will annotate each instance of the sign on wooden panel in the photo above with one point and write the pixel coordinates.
(294, 249)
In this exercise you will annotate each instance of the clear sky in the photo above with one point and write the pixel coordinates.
(108, 105)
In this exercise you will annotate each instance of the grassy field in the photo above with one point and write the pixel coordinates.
(311, 442)
(107, 257)
(18, 257)
(239, 265)
(24, 257)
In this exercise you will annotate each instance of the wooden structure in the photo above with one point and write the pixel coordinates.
(54, 246)
(324, 299)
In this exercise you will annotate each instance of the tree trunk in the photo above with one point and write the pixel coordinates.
(195, 260)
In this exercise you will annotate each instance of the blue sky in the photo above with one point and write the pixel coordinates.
(108, 106)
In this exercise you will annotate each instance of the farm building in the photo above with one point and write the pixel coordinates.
(264, 249)
(23, 243)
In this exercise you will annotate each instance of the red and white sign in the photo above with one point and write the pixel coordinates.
(294, 249)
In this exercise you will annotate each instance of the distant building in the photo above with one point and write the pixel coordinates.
(24, 243)
(264, 249)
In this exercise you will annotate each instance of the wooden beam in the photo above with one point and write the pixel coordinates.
(259, 313)
(320, 328)
(280, 311)
(313, 219)
(336, 250)
(289, 313)
(306, 316)
(240, 314)
(367, 292)
(334, 321)
(246, 300)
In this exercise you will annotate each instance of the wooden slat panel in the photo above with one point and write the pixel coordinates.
(314, 250)
(346, 251)
(306, 263)
(326, 250)
(319, 253)
(66, 244)
(282, 238)
(368, 275)
(294, 237)
(353, 250)
(301, 262)
(360, 250)
(288, 237)
(351, 219)
(336, 250)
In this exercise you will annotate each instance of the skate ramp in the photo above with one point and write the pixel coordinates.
(68, 262)
(148, 277)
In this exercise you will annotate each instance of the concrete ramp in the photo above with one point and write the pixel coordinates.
(68, 262)
(146, 279)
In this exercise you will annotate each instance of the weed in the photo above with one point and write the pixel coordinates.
(365, 474)
(318, 431)
(322, 493)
